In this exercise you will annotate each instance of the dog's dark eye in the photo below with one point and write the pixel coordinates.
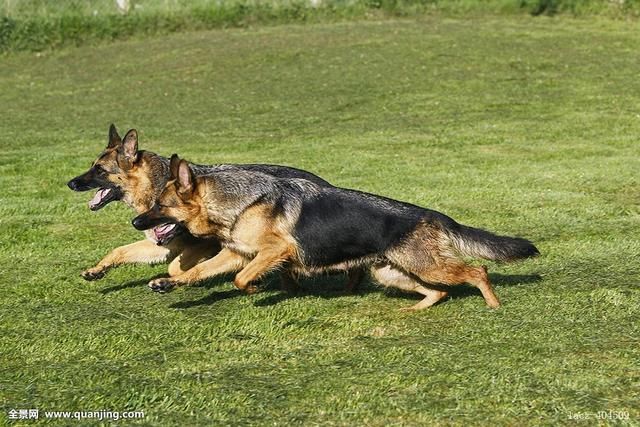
(99, 169)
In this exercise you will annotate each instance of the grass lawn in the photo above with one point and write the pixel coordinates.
(524, 126)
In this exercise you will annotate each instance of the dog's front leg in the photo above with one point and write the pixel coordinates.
(144, 251)
(225, 261)
(267, 259)
(193, 254)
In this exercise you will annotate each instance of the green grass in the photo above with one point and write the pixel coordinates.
(59, 8)
(36, 25)
(524, 126)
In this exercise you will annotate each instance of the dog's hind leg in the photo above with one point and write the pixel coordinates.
(144, 251)
(457, 273)
(429, 255)
(387, 275)
(431, 298)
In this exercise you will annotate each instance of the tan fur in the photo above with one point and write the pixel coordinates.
(272, 255)
(191, 210)
(139, 194)
(143, 251)
(262, 241)
(193, 254)
(183, 253)
(225, 261)
(134, 179)
(428, 254)
(264, 238)
(258, 241)
(387, 275)
(251, 230)
(138, 175)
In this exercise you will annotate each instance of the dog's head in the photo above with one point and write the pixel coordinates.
(180, 204)
(118, 173)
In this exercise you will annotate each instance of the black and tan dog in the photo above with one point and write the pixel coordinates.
(265, 222)
(137, 177)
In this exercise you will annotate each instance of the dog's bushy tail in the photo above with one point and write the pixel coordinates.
(478, 243)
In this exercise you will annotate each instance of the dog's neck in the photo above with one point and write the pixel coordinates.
(151, 183)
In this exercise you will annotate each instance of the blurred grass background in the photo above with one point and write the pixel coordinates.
(36, 25)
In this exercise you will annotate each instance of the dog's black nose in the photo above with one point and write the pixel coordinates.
(139, 223)
(73, 185)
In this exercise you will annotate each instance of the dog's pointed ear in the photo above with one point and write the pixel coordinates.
(114, 138)
(130, 145)
(186, 179)
(173, 166)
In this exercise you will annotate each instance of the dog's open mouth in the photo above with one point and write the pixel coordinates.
(164, 233)
(102, 197)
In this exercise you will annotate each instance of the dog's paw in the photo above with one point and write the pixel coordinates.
(161, 285)
(247, 288)
(93, 274)
(251, 289)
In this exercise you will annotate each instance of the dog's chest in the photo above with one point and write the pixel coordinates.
(150, 235)
(248, 233)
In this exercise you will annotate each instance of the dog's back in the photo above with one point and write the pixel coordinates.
(265, 222)
(337, 225)
(276, 171)
(286, 172)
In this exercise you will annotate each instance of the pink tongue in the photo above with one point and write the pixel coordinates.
(162, 230)
(100, 195)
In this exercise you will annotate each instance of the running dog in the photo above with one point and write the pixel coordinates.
(137, 177)
(265, 222)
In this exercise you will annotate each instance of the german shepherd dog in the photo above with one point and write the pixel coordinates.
(137, 177)
(264, 222)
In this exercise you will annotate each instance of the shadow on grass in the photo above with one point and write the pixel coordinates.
(513, 279)
(211, 298)
(333, 286)
(131, 284)
(326, 286)
(208, 300)
(320, 288)
(140, 282)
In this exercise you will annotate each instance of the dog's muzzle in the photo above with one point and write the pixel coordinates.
(78, 185)
(149, 220)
